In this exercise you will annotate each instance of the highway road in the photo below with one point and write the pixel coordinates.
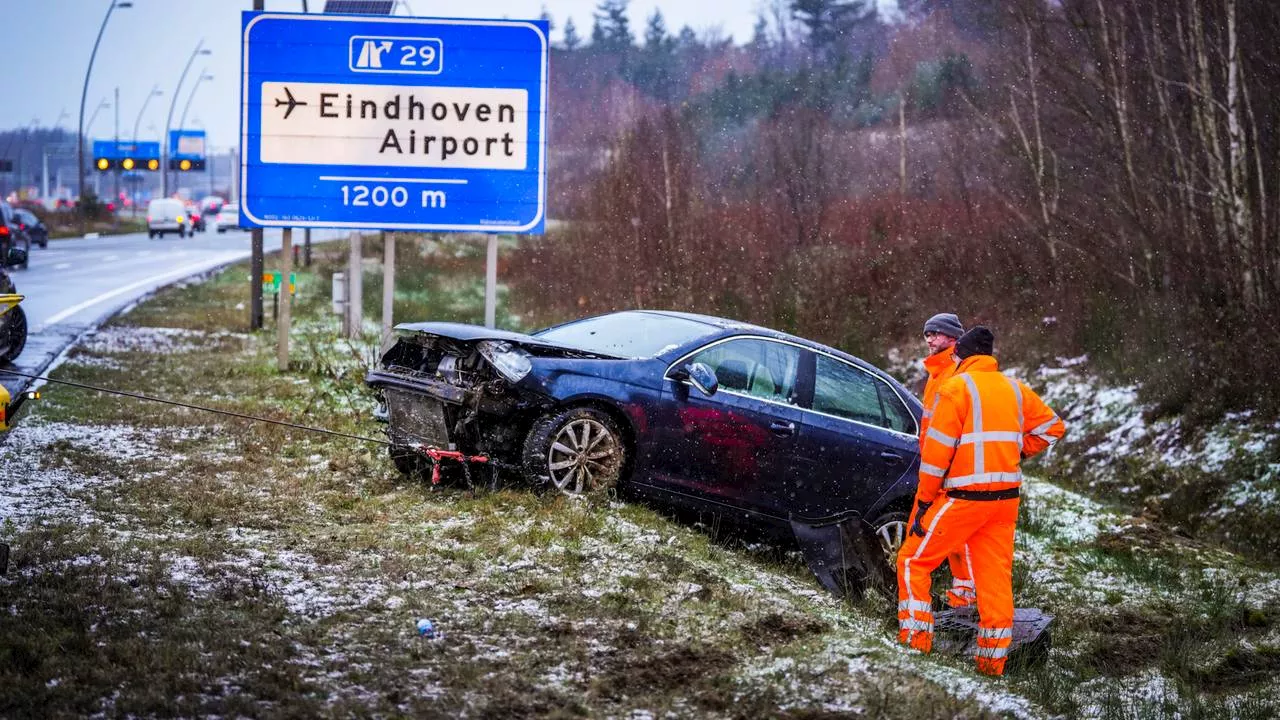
(81, 282)
(76, 284)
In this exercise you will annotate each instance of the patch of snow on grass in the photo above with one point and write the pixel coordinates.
(1066, 515)
(152, 340)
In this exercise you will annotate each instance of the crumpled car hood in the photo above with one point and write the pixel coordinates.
(472, 333)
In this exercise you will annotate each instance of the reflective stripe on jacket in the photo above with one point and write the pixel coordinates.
(983, 424)
(941, 367)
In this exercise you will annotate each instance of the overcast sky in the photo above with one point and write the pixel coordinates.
(48, 42)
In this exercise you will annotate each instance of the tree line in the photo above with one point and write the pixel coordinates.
(1089, 177)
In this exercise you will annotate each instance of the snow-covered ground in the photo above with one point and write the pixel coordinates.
(351, 560)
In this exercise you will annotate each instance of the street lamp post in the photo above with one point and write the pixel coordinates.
(85, 91)
(102, 105)
(155, 92)
(164, 141)
(182, 121)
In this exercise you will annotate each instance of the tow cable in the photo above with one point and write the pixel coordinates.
(434, 454)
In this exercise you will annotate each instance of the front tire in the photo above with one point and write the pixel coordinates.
(578, 451)
(13, 334)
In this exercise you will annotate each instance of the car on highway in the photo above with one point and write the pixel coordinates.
(166, 215)
(698, 412)
(228, 218)
(33, 226)
(196, 218)
(210, 205)
(13, 235)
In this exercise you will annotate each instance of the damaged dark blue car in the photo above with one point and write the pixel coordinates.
(698, 412)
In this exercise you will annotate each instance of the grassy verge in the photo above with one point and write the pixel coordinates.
(169, 562)
(123, 225)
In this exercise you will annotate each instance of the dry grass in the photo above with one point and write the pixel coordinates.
(200, 565)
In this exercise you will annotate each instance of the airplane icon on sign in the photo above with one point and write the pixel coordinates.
(290, 100)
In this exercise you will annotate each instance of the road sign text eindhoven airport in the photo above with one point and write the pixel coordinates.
(393, 123)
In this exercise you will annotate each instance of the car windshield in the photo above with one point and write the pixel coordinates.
(627, 334)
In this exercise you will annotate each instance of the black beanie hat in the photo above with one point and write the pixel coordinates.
(978, 341)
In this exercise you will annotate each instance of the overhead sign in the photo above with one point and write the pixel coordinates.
(186, 144)
(393, 123)
(127, 156)
(117, 150)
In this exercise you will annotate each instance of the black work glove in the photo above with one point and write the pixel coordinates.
(917, 528)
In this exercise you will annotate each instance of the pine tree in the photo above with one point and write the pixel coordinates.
(612, 30)
(655, 33)
(571, 38)
(829, 22)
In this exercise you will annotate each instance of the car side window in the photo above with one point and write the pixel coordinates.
(754, 367)
(845, 391)
(896, 414)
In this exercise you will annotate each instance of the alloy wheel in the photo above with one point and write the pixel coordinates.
(584, 456)
(891, 535)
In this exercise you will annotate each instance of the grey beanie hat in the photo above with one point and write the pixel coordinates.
(946, 323)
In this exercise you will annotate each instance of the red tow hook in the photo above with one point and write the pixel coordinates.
(437, 455)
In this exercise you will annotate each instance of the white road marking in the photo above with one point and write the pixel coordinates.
(109, 258)
(62, 266)
(180, 272)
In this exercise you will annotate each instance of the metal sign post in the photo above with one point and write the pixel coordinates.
(255, 235)
(491, 283)
(388, 284)
(286, 300)
(355, 287)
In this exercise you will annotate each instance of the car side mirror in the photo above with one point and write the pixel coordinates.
(16, 257)
(700, 376)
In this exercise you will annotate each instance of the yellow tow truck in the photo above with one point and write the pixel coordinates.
(13, 337)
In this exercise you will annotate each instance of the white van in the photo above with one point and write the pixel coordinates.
(166, 215)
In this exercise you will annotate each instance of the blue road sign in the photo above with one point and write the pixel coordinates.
(393, 123)
(113, 150)
(186, 144)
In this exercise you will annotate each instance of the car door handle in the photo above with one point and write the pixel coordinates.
(782, 427)
(891, 457)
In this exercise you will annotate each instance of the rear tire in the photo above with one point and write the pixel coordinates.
(578, 451)
(891, 530)
(13, 334)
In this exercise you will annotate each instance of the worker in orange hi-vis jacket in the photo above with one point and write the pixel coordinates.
(940, 334)
(984, 423)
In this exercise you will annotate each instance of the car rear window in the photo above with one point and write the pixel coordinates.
(627, 334)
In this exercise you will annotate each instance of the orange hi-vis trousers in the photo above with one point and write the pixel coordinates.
(987, 527)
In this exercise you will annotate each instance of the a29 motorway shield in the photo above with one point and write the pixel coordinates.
(351, 121)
